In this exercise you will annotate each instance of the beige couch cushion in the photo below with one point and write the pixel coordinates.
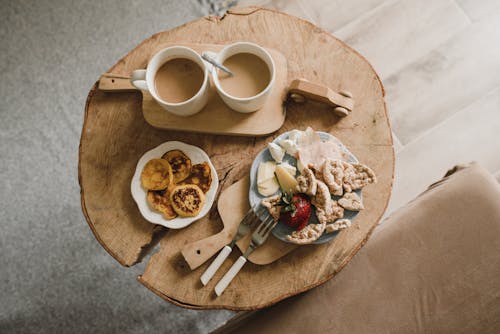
(431, 267)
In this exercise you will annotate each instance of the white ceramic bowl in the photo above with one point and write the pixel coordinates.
(197, 155)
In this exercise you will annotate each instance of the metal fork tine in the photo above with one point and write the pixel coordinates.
(266, 217)
(262, 210)
(260, 227)
(251, 217)
(269, 225)
(270, 229)
(263, 226)
(255, 222)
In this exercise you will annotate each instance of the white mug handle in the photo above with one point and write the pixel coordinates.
(138, 80)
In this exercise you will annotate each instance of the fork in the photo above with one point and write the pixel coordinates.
(246, 224)
(258, 238)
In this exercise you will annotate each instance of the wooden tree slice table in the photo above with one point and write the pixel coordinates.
(115, 135)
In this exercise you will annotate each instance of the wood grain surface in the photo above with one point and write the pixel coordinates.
(115, 135)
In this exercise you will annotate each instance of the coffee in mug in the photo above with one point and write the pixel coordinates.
(251, 75)
(178, 80)
(253, 80)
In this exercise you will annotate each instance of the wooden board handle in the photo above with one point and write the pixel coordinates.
(110, 82)
(301, 89)
(198, 252)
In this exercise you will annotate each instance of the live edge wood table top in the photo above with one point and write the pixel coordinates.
(115, 135)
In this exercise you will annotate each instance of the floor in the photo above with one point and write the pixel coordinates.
(439, 62)
(54, 276)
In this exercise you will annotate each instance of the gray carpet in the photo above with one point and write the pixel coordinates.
(55, 277)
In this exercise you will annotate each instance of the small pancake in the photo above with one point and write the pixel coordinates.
(180, 162)
(201, 176)
(160, 201)
(187, 200)
(156, 175)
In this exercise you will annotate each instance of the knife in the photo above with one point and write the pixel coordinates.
(251, 217)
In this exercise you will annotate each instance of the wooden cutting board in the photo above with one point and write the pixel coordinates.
(232, 206)
(115, 135)
(216, 117)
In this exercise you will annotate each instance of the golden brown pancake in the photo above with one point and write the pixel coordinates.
(187, 200)
(180, 162)
(160, 201)
(201, 176)
(156, 175)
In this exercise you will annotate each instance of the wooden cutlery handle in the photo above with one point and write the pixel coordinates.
(110, 82)
(196, 253)
(215, 265)
(228, 277)
(301, 89)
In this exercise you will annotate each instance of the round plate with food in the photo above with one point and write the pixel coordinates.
(174, 184)
(300, 178)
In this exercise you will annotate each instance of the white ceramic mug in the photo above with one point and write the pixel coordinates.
(145, 80)
(252, 103)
